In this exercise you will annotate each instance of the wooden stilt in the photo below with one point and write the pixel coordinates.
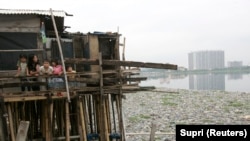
(82, 120)
(12, 132)
(105, 124)
(152, 133)
(121, 124)
(108, 112)
(67, 122)
(104, 128)
(47, 117)
(86, 113)
(90, 108)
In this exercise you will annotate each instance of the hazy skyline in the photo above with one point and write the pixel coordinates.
(162, 31)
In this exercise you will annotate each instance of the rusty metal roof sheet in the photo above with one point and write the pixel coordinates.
(57, 13)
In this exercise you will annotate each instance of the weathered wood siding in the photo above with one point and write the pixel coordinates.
(19, 23)
(94, 50)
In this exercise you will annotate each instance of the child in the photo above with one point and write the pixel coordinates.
(58, 71)
(71, 75)
(22, 70)
(70, 72)
(33, 66)
(46, 69)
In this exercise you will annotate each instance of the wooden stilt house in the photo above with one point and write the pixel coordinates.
(89, 105)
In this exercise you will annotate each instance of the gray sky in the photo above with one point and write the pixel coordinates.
(162, 31)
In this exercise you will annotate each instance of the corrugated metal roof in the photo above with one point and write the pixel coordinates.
(57, 13)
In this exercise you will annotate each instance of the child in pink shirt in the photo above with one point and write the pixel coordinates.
(57, 69)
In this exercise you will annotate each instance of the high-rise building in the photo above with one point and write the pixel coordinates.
(232, 64)
(201, 60)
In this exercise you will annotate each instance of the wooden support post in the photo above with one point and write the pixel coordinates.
(108, 113)
(123, 50)
(47, 120)
(90, 103)
(12, 132)
(3, 121)
(104, 126)
(82, 120)
(86, 111)
(67, 122)
(123, 134)
(121, 124)
(61, 55)
(152, 133)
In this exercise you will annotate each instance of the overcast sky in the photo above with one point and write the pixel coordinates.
(162, 31)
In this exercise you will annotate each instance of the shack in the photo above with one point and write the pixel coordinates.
(89, 105)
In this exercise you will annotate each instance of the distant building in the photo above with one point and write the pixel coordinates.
(232, 64)
(206, 60)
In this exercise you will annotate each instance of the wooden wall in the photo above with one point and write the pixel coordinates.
(19, 23)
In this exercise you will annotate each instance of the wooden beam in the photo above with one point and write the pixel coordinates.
(82, 61)
(21, 50)
(139, 64)
(18, 84)
(123, 63)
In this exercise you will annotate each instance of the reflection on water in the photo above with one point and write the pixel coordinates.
(207, 82)
(235, 76)
(237, 82)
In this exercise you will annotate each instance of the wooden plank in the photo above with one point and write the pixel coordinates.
(11, 124)
(30, 96)
(34, 98)
(82, 61)
(125, 63)
(82, 120)
(140, 64)
(22, 131)
(94, 49)
(18, 84)
(22, 50)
